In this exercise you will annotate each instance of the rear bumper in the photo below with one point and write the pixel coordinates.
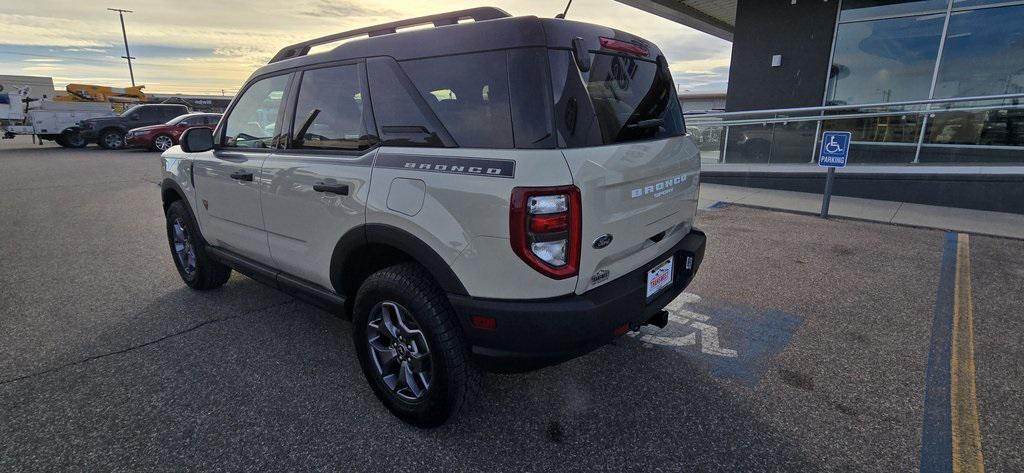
(531, 334)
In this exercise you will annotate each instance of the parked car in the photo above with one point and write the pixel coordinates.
(162, 137)
(109, 132)
(504, 193)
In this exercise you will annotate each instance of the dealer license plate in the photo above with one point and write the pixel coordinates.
(659, 277)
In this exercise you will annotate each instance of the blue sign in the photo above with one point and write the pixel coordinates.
(835, 148)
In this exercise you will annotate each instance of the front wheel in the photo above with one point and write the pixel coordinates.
(162, 143)
(72, 139)
(195, 267)
(411, 347)
(111, 139)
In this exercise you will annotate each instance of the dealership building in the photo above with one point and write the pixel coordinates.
(932, 91)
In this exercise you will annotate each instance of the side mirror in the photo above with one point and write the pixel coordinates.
(134, 117)
(196, 140)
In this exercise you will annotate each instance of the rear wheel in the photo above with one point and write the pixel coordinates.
(163, 143)
(111, 139)
(411, 347)
(195, 267)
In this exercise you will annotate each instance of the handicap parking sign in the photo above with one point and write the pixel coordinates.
(835, 148)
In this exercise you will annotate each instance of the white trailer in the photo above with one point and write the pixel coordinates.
(46, 119)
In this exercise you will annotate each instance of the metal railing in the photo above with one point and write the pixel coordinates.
(979, 130)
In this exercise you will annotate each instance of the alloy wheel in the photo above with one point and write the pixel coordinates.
(183, 249)
(163, 143)
(399, 351)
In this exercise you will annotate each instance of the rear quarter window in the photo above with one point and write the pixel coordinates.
(469, 94)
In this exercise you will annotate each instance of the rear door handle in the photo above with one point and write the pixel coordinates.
(340, 189)
(242, 175)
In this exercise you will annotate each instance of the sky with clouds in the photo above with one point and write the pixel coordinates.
(204, 47)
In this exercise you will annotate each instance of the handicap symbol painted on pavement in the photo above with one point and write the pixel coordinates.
(729, 341)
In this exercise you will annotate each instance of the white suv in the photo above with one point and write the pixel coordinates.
(504, 193)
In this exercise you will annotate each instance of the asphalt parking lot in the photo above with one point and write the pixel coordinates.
(803, 345)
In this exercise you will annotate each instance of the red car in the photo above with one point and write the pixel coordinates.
(162, 137)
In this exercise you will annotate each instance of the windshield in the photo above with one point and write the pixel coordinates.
(178, 119)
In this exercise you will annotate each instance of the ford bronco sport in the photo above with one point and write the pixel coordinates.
(504, 193)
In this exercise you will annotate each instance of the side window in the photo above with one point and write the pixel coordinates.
(403, 117)
(329, 111)
(469, 93)
(149, 114)
(532, 117)
(253, 121)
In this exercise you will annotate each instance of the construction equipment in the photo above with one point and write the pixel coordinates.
(100, 93)
(23, 112)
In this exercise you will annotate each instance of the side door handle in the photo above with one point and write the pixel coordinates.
(340, 189)
(242, 175)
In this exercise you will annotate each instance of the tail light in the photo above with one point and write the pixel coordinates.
(545, 226)
(623, 46)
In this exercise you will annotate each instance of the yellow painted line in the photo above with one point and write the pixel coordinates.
(966, 428)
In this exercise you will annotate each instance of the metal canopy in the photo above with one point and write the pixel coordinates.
(714, 17)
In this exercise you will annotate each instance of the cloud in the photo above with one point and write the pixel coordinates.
(85, 50)
(42, 69)
(37, 30)
(342, 9)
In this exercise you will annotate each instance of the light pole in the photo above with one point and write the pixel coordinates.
(124, 34)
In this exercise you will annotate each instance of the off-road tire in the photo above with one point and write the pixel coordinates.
(208, 273)
(455, 381)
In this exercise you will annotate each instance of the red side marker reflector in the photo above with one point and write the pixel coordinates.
(549, 223)
(621, 330)
(622, 46)
(483, 323)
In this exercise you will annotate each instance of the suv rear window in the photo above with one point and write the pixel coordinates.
(631, 98)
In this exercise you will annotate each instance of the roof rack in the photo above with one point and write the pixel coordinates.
(440, 19)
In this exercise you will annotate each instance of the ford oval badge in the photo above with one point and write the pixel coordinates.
(603, 241)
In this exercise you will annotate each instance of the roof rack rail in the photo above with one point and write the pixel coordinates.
(440, 19)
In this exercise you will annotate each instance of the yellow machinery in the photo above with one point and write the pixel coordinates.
(99, 93)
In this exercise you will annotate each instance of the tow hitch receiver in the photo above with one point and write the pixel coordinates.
(659, 320)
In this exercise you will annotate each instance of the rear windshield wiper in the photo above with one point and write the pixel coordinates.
(649, 123)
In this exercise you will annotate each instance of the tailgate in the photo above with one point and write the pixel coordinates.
(643, 194)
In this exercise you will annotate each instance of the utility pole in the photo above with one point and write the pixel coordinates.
(127, 54)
